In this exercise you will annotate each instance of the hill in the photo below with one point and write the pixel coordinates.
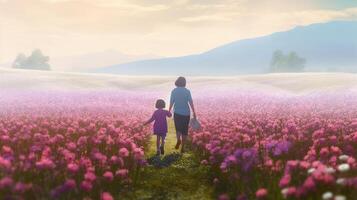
(328, 46)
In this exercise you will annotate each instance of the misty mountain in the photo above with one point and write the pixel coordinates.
(328, 46)
(93, 61)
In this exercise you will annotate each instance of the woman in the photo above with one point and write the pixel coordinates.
(181, 100)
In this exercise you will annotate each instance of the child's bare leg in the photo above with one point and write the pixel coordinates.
(162, 141)
(157, 144)
(162, 148)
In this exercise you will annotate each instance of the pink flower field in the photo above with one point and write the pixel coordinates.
(280, 147)
(70, 146)
(91, 145)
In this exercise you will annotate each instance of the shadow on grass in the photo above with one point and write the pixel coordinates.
(165, 161)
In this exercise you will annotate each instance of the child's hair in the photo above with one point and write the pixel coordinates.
(160, 104)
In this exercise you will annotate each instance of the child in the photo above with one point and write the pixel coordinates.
(160, 125)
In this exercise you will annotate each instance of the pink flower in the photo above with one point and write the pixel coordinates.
(204, 162)
(70, 184)
(6, 164)
(82, 141)
(86, 185)
(45, 163)
(7, 150)
(351, 161)
(335, 150)
(291, 191)
(123, 152)
(309, 183)
(324, 152)
(305, 165)
(285, 180)
(122, 173)
(70, 130)
(114, 159)
(223, 167)
(22, 187)
(292, 164)
(223, 197)
(6, 182)
(106, 196)
(90, 176)
(72, 167)
(108, 175)
(268, 163)
(261, 193)
(71, 146)
(138, 153)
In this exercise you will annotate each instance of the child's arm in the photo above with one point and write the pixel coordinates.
(150, 120)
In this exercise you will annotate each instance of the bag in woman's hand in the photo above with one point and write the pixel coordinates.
(195, 124)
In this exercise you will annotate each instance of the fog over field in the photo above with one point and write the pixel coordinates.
(293, 83)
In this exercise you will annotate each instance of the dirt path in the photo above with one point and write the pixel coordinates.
(180, 176)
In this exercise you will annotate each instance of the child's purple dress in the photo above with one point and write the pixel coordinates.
(160, 124)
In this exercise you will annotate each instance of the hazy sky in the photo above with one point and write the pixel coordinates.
(160, 27)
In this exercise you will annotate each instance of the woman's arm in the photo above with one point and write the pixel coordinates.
(193, 109)
(172, 101)
(190, 101)
(170, 108)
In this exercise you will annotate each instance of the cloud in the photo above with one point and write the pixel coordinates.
(131, 7)
(315, 16)
(168, 28)
(206, 18)
(57, 1)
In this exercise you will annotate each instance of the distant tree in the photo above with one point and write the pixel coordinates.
(286, 63)
(19, 61)
(277, 60)
(36, 61)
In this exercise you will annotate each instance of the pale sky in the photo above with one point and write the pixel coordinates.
(160, 27)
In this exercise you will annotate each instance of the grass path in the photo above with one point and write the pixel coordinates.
(183, 179)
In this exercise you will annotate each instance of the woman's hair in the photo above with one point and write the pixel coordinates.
(180, 82)
(160, 104)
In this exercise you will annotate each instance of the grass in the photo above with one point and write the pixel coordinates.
(183, 178)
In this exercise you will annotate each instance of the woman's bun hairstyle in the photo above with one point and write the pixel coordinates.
(180, 82)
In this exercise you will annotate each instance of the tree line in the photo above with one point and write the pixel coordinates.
(290, 62)
(280, 62)
(37, 61)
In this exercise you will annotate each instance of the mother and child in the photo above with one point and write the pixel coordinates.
(180, 101)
